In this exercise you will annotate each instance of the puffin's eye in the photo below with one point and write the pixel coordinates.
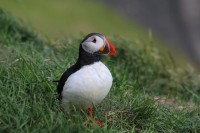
(94, 40)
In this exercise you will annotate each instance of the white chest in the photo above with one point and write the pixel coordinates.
(87, 86)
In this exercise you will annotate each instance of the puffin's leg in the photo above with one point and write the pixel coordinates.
(99, 123)
(90, 110)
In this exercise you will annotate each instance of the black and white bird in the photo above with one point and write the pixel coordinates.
(88, 81)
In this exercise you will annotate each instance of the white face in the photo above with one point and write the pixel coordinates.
(92, 44)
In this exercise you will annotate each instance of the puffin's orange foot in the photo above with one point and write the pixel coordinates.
(96, 122)
(99, 123)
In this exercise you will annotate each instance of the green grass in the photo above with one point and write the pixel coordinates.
(59, 18)
(28, 98)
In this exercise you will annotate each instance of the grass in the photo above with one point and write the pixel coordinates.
(56, 19)
(141, 72)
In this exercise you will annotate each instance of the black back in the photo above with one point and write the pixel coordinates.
(85, 58)
(64, 78)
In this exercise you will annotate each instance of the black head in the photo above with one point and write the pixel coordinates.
(92, 46)
(96, 43)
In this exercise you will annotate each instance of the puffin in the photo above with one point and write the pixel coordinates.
(87, 82)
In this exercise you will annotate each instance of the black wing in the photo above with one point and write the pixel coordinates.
(64, 78)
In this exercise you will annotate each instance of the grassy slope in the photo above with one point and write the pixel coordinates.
(28, 98)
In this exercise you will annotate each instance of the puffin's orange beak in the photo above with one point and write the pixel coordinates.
(112, 50)
(108, 49)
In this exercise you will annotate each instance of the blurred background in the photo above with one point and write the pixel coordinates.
(175, 22)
